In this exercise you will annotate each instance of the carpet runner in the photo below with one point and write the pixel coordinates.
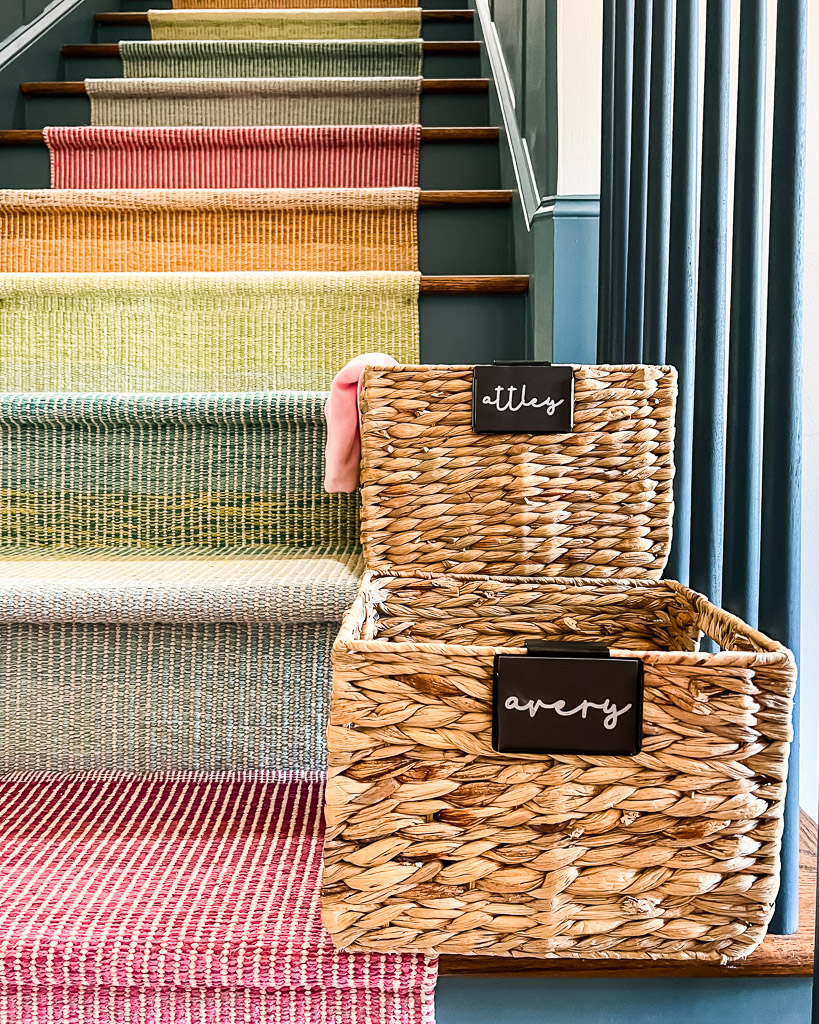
(286, 24)
(321, 58)
(173, 579)
(199, 332)
(240, 219)
(208, 229)
(336, 156)
(179, 897)
(160, 102)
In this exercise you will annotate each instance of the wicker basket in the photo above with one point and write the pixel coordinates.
(438, 844)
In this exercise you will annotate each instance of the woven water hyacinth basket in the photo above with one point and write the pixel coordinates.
(436, 842)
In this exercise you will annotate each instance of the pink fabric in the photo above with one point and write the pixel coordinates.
(358, 156)
(180, 897)
(343, 451)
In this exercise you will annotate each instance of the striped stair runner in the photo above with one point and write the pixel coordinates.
(319, 58)
(239, 220)
(199, 332)
(289, 4)
(331, 156)
(157, 899)
(286, 24)
(208, 229)
(161, 102)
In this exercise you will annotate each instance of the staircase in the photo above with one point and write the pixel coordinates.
(172, 573)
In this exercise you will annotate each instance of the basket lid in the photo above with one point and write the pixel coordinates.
(595, 503)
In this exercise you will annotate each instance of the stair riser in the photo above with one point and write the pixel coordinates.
(442, 166)
(163, 696)
(465, 240)
(438, 110)
(435, 66)
(220, 476)
(163, 5)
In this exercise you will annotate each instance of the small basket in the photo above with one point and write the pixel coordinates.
(436, 843)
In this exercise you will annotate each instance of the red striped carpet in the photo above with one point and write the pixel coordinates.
(180, 897)
(348, 156)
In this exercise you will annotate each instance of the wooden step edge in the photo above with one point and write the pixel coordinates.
(428, 85)
(141, 17)
(486, 284)
(777, 955)
(466, 197)
(91, 51)
(34, 136)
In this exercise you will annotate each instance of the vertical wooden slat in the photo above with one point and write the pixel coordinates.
(681, 321)
(621, 158)
(606, 189)
(779, 607)
(743, 445)
(659, 185)
(708, 457)
(638, 184)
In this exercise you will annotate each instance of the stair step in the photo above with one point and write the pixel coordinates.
(180, 899)
(441, 59)
(458, 232)
(444, 103)
(183, 660)
(168, 471)
(34, 136)
(437, 25)
(195, 332)
(141, 17)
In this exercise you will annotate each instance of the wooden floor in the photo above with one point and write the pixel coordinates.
(779, 955)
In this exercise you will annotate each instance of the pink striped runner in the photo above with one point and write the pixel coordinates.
(358, 156)
(180, 897)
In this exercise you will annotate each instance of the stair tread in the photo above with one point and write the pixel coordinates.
(256, 583)
(428, 85)
(91, 51)
(141, 17)
(35, 136)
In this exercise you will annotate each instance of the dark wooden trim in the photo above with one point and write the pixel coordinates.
(455, 85)
(507, 284)
(34, 136)
(431, 85)
(141, 17)
(90, 51)
(777, 956)
(474, 197)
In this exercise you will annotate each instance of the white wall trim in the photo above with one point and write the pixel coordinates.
(26, 35)
(521, 161)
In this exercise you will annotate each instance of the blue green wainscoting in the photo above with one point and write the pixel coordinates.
(472, 1000)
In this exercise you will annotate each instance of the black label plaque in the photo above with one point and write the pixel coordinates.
(567, 699)
(522, 398)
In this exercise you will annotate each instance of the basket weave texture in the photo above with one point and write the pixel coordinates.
(437, 844)
(595, 503)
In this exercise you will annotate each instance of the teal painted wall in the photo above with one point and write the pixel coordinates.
(623, 1001)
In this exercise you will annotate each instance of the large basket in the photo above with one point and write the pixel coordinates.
(438, 844)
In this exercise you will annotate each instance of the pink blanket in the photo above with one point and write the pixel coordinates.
(343, 452)
(357, 156)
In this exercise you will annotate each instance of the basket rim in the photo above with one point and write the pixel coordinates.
(775, 654)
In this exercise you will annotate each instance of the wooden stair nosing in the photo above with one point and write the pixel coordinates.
(90, 51)
(141, 17)
(428, 85)
(34, 136)
(776, 956)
